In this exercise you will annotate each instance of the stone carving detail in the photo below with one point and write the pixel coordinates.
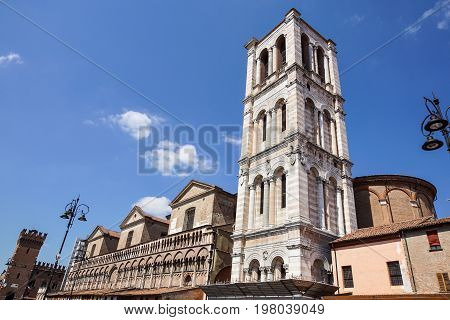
(268, 168)
(243, 176)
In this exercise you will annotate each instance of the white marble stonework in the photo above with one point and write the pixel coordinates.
(295, 187)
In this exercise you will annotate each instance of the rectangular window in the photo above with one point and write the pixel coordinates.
(189, 219)
(283, 191)
(444, 282)
(395, 273)
(347, 275)
(129, 238)
(283, 118)
(433, 240)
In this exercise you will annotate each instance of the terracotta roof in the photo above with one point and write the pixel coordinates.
(111, 233)
(165, 221)
(391, 229)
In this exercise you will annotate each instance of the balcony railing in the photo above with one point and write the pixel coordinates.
(190, 238)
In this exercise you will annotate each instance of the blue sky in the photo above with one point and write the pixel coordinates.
(68, 128)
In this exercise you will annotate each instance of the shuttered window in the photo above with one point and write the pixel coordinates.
(395, 273)
(129, 238)
(444, 282)
(347, 275)
(189, 219)
(433, 240)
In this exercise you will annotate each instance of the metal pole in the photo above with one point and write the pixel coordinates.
(72, 209)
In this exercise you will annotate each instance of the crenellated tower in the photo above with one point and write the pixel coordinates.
(21, 264)
(295, 189)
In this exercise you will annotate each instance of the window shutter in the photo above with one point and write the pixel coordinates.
(444, 282)
(433, 238)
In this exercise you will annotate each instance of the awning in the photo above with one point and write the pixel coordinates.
(281, 289)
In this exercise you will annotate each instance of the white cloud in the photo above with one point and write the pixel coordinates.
(172, 159)
(442, 10)
(10, 58)
(136, 124)
(157, 206)
(445, 19)
(89, 123)
(356, 19)
(233, 140)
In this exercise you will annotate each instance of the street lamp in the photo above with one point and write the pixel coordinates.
(433, 122)
(72, 210)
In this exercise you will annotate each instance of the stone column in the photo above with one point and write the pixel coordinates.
(270, 62)
(269, 274)
(316, 64)
(182, 273)
(269, 129)
(316, 127)
(136, 276)
(275, 59)
(320, 202)
(251, 210)
(322, 137)
(326, 64)
(255, 137)
(349, 205)
(171, 275)
(245, 270)
(274, 129)
(160, 276)
(129, 277)
(266, 203)
(272, 210)
(258, 71)
(263, 274)
(326, 202)
(340, 211)
(333, 137)
(311, 56)
(194, 274)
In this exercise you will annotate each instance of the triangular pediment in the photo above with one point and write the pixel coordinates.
(192, 189)
(98, 232)
(135, 214)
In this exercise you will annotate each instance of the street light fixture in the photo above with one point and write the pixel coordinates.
(435, 121)
(72, 210)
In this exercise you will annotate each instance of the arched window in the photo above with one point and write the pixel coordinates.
(283, 117)
(320, 63)
(129, 238)
(264, 60)
(264, 127)
(261, 198)
(95, 246)
(283, 190)
(281, 52)
(306, 59)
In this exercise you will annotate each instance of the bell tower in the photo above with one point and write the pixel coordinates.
(295, 190)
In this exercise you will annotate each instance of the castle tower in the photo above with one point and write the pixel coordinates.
(21, 264)
(295, 188)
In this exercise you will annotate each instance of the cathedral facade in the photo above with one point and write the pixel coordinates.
(295, 192)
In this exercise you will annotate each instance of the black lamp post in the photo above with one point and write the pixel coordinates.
(435, 121)
(72, 210)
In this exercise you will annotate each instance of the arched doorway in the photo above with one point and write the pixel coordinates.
(279, 272)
